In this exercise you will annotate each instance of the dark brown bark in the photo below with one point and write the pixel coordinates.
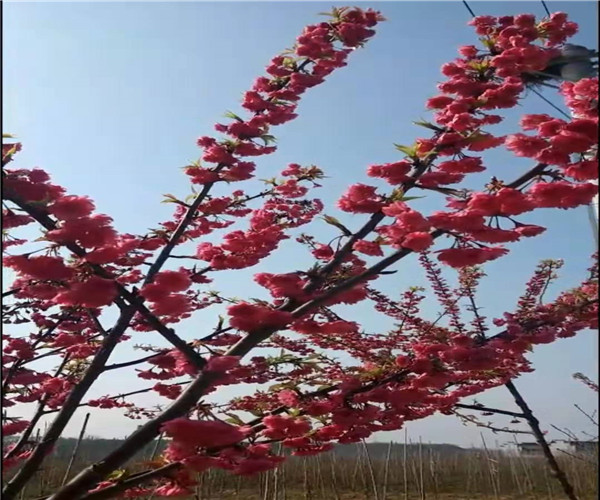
(534, 424)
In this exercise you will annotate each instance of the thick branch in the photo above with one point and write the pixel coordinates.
(39, 413)
(534, 424)
(490, 410)
(63, 417)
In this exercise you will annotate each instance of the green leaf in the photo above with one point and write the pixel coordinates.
(428, 125)
(289, 62)
(169, 198)
(267, 138)
(479, 65)
(234, 419)
(118, 475)
(10, 152)
(487, 42)
(8, 136)
(410, 151)
(232, 115)
(397, 194)
(332, 221)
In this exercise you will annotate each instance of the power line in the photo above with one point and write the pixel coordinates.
(468, 8)
(592, 207)
(551, 103)
(546, 8)
(533, 90)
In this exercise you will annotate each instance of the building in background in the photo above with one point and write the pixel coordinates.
(582, 447)
(530, 450)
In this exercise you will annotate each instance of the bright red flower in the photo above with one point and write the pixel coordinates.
(572, 142)
(71, 207)
(562, 194)
(280, 427)
(204, 433)
(14, 427)
(440, 178)
(439, 102)
(525, 145)
(465, 165)
(94, 292)
(368, 247)
(529, 230)
(462, 257)
(251, 317)
(288, 398)
(175, 305)
(361, 199)
(393, 173)
(418, 241)
(173, 281)
(39, 268)
(222, 364)
(583, 171)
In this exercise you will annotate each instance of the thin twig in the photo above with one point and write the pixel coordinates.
(76, 449)
(539, 435)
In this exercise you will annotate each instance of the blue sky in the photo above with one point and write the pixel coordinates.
(110, 98)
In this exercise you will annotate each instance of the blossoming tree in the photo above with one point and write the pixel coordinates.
(307, 399)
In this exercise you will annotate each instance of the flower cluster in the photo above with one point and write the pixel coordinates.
(478, 82)
(320, 49)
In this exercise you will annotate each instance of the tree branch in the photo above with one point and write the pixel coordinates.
(20, 479)
(534, 424)
(91, 475)
(39, 413)
(133, 299)
(491, 410)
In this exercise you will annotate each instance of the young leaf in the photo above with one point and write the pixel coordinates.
(232, 115)
(428, 125)
(410, 151)
(332, 221)
(408, 198)
(234, 419)
(267, 138)
(169, 198)
(118, 475)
